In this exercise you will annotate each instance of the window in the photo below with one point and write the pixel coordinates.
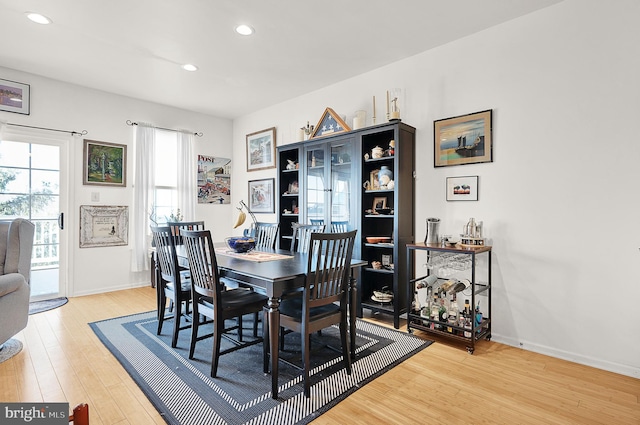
(165, 196)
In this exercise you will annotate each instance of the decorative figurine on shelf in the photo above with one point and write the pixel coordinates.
(392, 147)
(291, 165)
(307, 130)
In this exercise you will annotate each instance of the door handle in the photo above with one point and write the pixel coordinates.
(61, 221)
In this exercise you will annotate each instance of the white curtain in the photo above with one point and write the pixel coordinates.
(187, 192)
(143, 191)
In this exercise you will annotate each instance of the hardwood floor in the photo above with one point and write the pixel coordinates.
(63, 360)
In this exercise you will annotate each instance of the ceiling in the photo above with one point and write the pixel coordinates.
(135, 47)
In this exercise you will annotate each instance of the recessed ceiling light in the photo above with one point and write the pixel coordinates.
(38, 18)
(189, 67)
(244, 29)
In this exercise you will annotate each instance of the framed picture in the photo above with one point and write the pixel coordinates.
(374, 182)
(462, 188)
(463, 140)
(105, 164)
(261, 149)
(214, 180)
(261, 196)
(379, 202)
(103, 226)
(14, 97)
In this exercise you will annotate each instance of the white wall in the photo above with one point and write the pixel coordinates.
(559, 201)
(65, 106)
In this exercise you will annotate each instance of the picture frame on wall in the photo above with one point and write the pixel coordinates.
(102, 226)
(261, 149)
(15, 97)
(463, 188)
(105, 164)
(262, 196)
(464, 139)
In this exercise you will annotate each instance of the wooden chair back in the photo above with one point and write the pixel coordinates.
(165, 243)
(266, 235)
(328, 268)
(205, 279)
(80, 415)
(302, 235)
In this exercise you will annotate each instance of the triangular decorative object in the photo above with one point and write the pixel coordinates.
(330, 123)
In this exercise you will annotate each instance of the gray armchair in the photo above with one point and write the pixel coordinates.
(16, 244)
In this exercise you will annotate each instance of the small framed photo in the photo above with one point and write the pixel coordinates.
(103, 226)
(261, 149)
(463, 140)
(261, 196)
(374, 182)
(14, 97)
(462, 188)
(379, 202)
(105, 164)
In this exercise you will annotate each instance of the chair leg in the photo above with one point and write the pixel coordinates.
(255, 324)
(346, 351)
(162, 301)
(194, 330)
(240, 328)
(218, 329)
(177, 315)
(306, 342)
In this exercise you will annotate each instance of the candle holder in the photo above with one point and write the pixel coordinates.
(394, 104)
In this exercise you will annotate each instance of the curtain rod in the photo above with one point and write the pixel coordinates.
(129, 122)
(73, 133)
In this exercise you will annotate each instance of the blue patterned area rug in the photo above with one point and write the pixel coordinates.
(184, 393)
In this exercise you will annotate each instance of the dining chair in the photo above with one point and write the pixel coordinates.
(174, 283)
(210, 299)
(176, 226)
(323, 301)
(266, 235)
(317, 221)
(339, 226)
(302, 235)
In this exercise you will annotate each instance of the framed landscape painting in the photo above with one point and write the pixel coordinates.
(105, 163)
(261, 149)
(463, 140)
(14, 97)
(462, 188)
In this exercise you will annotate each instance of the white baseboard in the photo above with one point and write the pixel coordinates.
(572, 357)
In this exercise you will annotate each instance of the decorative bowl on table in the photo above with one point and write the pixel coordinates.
(241, 244)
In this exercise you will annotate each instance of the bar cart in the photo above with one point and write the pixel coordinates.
(460, 260)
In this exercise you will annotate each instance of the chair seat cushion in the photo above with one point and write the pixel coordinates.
(292, 307)
(185, 285)
(237, 298)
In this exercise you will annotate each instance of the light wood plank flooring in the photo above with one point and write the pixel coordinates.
(63, 360)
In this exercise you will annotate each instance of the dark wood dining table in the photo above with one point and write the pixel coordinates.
(275, 278)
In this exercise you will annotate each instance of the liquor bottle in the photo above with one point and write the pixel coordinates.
(453, 314)
(435, 312)
(443, 312)
(467, 319)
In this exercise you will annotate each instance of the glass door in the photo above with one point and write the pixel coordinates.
(329, 185)
(30, 182)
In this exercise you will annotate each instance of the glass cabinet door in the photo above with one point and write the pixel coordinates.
(329, 191)
(316, 196)
(341, 190)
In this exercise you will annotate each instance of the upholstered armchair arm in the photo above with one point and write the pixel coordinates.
(10, 282)
(19, 247)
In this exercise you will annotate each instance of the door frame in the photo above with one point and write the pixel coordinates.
(64, 143)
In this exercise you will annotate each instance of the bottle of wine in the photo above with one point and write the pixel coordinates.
(443, 312)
